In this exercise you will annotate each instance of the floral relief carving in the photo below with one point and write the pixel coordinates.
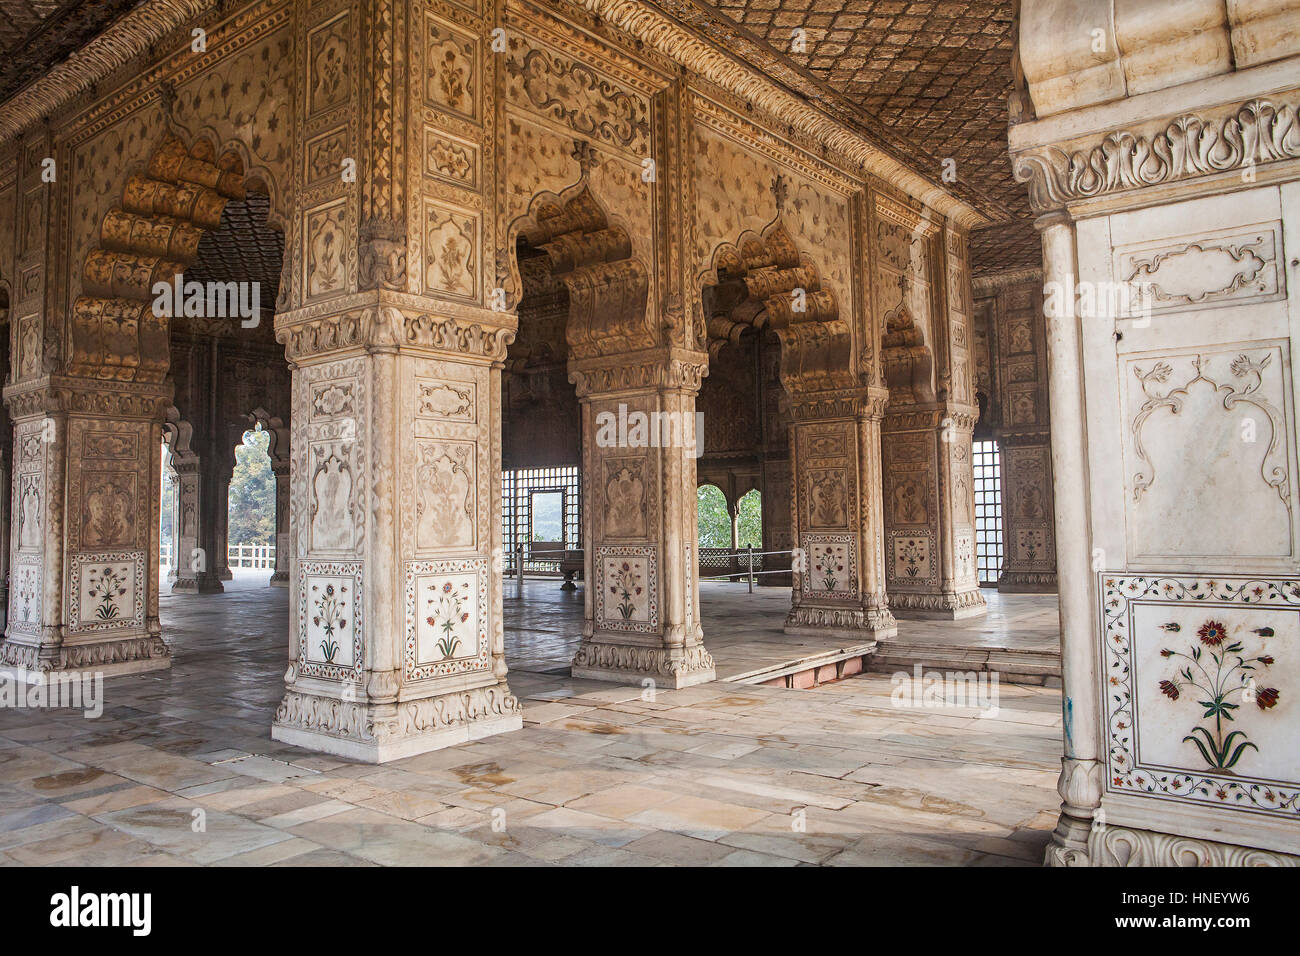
(450, 159)
(30, 492)
(828, 498)
(329, 83)
(452, 58)
(625, 505)
(326, 239)
(1254, 133)
(331, 496)
(108, 509)
(445, 506)
(451, 251)
(575, 94)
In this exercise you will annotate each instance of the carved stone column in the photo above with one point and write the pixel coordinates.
(641, 613)
(283, 544)
(835, 451)
(85, 544)
(220, 513)
(396, 642)
(198, 498)
(930, 511)
(396, 645)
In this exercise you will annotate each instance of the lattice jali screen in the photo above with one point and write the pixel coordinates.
(517, 520)
(988, 512)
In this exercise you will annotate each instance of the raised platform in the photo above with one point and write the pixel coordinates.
(1019, 638)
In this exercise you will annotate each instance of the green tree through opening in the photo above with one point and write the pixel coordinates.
(252, 492)
(715, 523)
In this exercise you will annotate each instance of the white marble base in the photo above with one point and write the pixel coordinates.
(28, 676)
(635, 664)
(374, 751)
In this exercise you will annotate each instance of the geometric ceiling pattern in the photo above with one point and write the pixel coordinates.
(242, 249)
(38, 34)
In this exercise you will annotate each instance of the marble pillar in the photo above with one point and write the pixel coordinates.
(641, 608)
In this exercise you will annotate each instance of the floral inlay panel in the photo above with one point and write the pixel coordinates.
(1199, 689)
(446, 618)
(829, 566)
(627, 589)
(330, 629)
(913, 559)
(107, 590)
(25, 595)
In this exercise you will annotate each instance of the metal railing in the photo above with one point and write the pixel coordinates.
(749, 554)
(749, 572)
(237, 556)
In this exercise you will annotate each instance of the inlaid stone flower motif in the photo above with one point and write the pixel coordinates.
(107, 584)
(828, 565)
(1218, 675)
(626, 587)
(448, 614)
(329, 605)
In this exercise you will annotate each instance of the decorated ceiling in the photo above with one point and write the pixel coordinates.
(927, 81)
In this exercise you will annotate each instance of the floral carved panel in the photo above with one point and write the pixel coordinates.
(831, 566)
(445, 486)
(1200, 690)
(1209, 459)
(454, 72)
(331, 635)
(106, 590)
(452, 253)
(627, 589)
(446, 618)
(330, 65)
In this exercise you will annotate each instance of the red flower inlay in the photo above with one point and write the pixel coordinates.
(1212, 633)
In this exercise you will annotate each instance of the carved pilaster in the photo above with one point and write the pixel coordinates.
(835, 452)
(642, 615)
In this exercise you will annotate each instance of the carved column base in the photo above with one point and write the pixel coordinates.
(1080, 785)
(1027, 582)
(855, 623)
(949, 606)
(225, 574)
(380, 732)
(109, 657)
(280, 579)
(206, 583)
(1120, 846)
(627, 663)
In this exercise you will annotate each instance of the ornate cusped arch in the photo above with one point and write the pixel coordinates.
(761, 281)
(151, 237)
(568, 246)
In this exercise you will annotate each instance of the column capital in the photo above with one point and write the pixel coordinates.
(650, 369)
(383, 320)
(63, 394)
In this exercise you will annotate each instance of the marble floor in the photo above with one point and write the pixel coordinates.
(743, 631)
(180, 769)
